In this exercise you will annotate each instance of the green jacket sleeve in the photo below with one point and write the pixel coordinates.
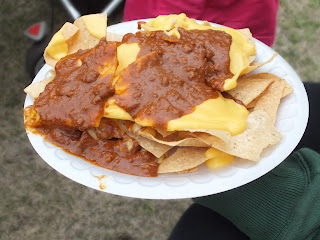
(283, 204)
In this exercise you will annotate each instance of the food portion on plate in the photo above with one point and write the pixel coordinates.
(173, 96)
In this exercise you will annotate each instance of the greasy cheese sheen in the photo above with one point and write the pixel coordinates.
(216, 114)
(240, 50)
(96, 25)
(217, 159)
(57, 47)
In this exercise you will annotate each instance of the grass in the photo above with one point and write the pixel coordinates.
(37, 202)
(298, 36)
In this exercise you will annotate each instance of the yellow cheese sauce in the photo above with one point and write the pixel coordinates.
(57, 47)
(216, 114)
(96, 24)
(217, 159)
(127, 54)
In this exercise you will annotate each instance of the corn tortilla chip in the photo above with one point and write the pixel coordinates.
(183, 159)
(248, 35)
(114, 37)
(259, 134)
(264, 75)
(49, 60)
(254, 66)
(189, 170)
(270, 100)
(163, 132)
(34, 89)
(249, 88)
(157, 149)
(287, 88)
(223, 135)
(286, 91)
(69, 31)
(253, 103)
(84, 39)
(176, 140)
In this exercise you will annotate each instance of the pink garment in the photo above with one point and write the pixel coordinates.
(258, 15)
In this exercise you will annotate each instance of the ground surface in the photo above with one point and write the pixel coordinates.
(37, 202)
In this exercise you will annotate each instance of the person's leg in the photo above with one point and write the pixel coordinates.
(200, 222)
(311, 136)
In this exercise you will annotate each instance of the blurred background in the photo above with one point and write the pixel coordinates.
(36, 202)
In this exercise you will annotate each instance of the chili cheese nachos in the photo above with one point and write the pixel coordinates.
(173, 96)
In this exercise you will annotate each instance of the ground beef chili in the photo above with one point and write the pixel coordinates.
(76, 97)
(70, 113)
(214, 44)
(107, 146)
(169, 78)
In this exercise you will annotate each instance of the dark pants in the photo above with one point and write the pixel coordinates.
(311, 137)
(200, 222)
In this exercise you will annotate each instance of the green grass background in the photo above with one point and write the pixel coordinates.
(36, 202)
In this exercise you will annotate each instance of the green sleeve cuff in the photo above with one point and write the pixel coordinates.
(283, 204)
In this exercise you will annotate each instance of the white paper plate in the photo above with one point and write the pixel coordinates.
(291, 122)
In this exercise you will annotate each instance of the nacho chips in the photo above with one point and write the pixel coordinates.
(249, 88)
(259, 134)
(124, 142)
(35, 89)
(183, 159)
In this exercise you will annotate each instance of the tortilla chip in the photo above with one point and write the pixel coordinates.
(114, 37)
(175, 140)
(270, 100)
(163, 132)
(248, 35)
(286, 91)
(157, 149)
(34, 89)
(189, 170)
(259, 134)
(223, 135)
(249, 88)
(84, 39)
(253, 103)
(254, 66)
(69, 31)
(49, 60)
(287, 88)
(183, 159)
